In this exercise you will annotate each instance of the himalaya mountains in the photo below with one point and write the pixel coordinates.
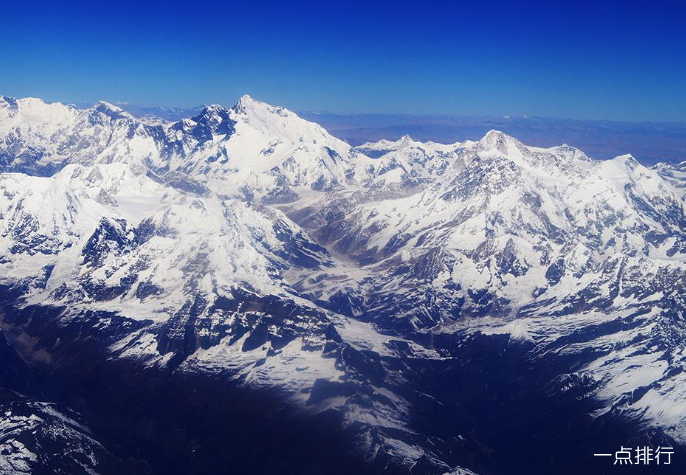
(206, 295)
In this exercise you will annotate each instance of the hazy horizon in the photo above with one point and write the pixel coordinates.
(649, 141)
(597, 61)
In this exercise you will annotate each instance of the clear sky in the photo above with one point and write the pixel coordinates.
(591, 60)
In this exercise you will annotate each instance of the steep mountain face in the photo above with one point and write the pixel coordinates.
(506, 230)
(252, 144)
(674, 173)
(40, 138)
(37, 438)
(414, 295)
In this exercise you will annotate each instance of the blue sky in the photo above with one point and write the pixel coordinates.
(589, 60)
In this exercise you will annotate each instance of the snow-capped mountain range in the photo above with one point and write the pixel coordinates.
(386, 284)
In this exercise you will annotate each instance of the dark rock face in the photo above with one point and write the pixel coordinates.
(45, 438)
(474, 407)
(143, 422)
(110, 238)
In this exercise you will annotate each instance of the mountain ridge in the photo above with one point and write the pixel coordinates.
(249, 243)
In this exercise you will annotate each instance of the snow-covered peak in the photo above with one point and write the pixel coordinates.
(670, 168)
(637, 181)
(250, 108)
(627, 159)
(213, 108)
(253, 146)
(6, 101)
(624, 166)
(104, 111)
(497, 141)
(109, 108)
(42, 138)
(674, 174)
(567, 152)
(385, 146)
(212, 120)
(30, 111)
(247, 101)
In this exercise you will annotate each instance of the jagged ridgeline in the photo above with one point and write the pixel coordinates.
(235, 279)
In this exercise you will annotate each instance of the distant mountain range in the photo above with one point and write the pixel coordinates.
(240, 291)
(649, 142)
